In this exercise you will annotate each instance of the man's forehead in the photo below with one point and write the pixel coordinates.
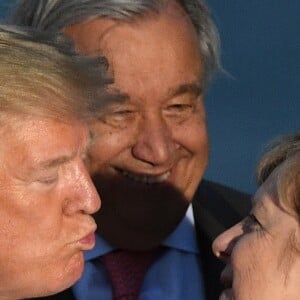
(156, 56)
(95, 32)
(25, 129)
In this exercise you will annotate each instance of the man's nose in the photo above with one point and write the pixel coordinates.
(83, 194)
(224, 244)
(154, 143)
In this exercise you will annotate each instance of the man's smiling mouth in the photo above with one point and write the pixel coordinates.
(143, 178)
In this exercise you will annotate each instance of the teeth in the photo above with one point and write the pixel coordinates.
(146, 178)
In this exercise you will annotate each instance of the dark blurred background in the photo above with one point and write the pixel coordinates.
(260, 99)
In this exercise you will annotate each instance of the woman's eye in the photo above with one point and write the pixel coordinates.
(251, 223)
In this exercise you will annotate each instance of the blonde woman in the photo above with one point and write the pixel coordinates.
(262, 252)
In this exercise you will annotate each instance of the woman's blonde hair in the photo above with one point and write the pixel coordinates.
(284, 151)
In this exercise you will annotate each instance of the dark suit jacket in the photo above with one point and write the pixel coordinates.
(216, 208)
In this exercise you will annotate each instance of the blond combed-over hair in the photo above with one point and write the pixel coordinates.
(40, 74)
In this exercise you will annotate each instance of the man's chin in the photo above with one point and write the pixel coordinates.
(137, 216)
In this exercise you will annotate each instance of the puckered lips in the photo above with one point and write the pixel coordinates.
(86, 239)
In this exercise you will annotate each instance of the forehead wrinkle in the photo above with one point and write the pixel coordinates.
(97, 28)
(192, 88)
(103, 36)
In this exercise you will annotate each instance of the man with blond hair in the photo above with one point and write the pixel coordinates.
(47, 96)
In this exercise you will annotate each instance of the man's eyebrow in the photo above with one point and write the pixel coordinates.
(193, 88)
(54, 162)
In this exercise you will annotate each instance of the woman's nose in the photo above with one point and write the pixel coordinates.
(224, 244)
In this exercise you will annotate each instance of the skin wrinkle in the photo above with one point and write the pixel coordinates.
(297, 198)
(288, 256)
